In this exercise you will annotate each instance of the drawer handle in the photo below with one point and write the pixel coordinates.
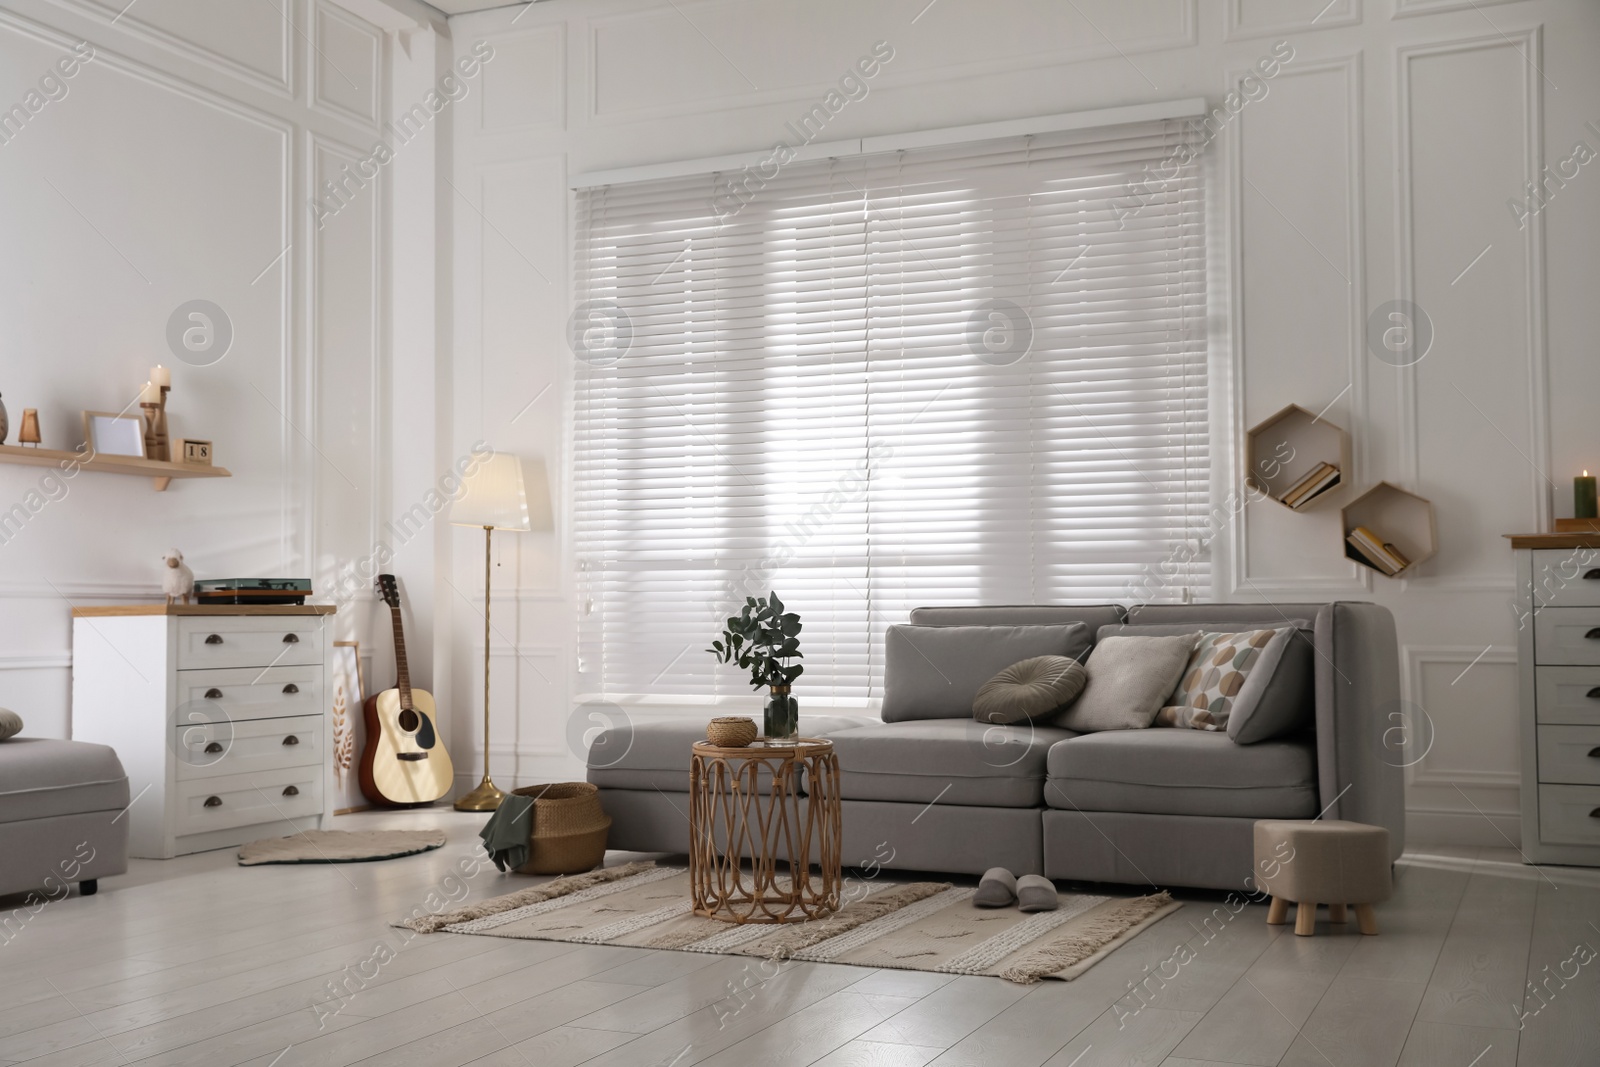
(1592, 574)
(213, 694)
(1594, 753)
(1593, 634)
(291, 639)
(214, 639)
(1595, 814)
(291, 740)
(291, 791)
(291, 688)
(216, 746)
(213, 802)
(1593, 694)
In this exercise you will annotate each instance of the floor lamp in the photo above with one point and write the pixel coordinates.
(495, 498)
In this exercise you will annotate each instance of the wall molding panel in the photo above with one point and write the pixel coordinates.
(323, 90)
(1337, 14)
(279, 81)
(1182, 33)
(1358, 580)
(1535, 449)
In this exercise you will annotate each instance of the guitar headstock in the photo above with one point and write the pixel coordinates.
(388, 591)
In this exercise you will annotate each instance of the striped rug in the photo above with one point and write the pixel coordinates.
(922, 926)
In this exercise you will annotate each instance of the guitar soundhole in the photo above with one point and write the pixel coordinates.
(409, 720)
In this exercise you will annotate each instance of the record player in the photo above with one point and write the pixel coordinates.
(252, 590)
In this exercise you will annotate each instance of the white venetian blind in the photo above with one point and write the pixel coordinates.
(955, 375)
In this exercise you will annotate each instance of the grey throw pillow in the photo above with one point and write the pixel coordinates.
(935, 672)
(10, 724)
(1130, 679)
(1036, 688)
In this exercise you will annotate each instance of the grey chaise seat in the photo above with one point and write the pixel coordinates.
(59, 808)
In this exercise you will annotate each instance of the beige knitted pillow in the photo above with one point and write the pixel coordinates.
(10, 724)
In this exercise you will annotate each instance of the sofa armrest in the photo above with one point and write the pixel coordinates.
(1357, 671)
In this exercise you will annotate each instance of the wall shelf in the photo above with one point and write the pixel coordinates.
(160, 472)
(1402, 519)
(1282, 450)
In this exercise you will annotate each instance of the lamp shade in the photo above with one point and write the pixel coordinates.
(493, 495)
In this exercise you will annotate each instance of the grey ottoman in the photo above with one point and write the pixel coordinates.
(61, 805)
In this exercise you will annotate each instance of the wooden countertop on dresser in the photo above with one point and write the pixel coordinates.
(1554, 540)
(205, 609)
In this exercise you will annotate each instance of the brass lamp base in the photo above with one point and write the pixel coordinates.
(486, 797)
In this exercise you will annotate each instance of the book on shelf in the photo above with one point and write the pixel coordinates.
(1381, 554)
(1320, 480)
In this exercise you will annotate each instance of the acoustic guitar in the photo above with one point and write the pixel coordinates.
(404, 762)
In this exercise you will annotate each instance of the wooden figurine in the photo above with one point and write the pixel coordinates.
(179, 579)
(29, 434)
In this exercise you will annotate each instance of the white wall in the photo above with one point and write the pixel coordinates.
(177, 167)
(1377, 166)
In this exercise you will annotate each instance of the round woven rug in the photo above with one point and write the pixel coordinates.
(340, 846)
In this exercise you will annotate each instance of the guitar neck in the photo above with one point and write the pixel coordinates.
(401, 666)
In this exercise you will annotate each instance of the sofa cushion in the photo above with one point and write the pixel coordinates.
(958, 762)
(934, 672)
(1286, 704)
(1130, 679)
(41, 778)
(1183, 772)
(653, 753)
(1035, 689)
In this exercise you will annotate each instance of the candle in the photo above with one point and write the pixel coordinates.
(149, 394)
(1583, 498)
(160, 377)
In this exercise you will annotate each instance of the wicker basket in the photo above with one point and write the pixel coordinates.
(732, 731)
(569, 828)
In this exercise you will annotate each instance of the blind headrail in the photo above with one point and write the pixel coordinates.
(1188, 107)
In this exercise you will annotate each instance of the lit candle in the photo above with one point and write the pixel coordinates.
(1583, 500)
(150, 394)
(160, 377)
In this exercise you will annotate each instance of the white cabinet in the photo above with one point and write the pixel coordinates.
(1558, 648)
(218, 715)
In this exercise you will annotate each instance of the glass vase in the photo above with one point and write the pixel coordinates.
(781, 720)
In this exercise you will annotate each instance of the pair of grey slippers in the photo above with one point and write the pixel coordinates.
(999, 888)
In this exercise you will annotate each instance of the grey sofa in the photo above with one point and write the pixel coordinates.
(61, 804)
(1166, 807)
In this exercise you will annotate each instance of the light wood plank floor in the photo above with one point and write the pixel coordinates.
(198, 961)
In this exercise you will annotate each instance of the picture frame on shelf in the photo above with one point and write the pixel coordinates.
(109, 433)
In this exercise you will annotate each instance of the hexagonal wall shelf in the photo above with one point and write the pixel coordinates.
(1289, 448)
(1398, 520)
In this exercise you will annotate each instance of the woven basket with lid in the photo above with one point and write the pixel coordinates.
(569, 828)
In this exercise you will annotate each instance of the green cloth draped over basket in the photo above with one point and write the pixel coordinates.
(548, 829)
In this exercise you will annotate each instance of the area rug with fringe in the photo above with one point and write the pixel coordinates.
(919, 926)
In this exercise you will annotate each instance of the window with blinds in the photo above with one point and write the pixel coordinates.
(964, 374)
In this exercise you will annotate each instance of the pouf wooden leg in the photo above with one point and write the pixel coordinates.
(1336, 913)
(1277, 912)
(1366, 918)
(1305, 918)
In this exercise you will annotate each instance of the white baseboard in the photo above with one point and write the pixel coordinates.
(1439, 826)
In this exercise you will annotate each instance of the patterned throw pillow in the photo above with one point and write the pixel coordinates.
(1217, 671)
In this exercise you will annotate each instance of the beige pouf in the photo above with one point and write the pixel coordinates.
(1330, 862)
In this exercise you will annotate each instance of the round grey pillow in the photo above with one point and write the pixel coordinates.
(1033, 689)
(10, 724)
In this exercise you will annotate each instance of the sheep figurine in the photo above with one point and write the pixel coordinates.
(178, 581)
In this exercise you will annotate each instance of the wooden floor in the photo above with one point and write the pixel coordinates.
(198, 961)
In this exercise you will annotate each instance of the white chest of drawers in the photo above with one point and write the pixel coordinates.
(218, 715)
(1558, 653)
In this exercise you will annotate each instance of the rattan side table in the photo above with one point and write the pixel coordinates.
(771, 803)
